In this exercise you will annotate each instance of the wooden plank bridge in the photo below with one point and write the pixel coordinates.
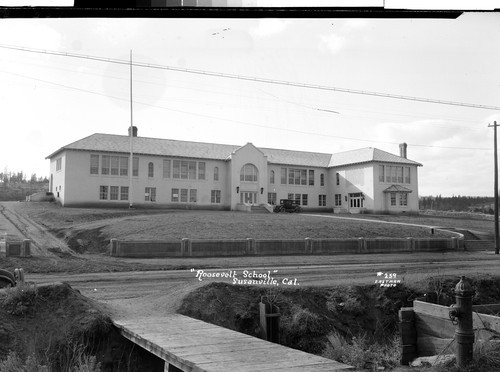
(187, 344)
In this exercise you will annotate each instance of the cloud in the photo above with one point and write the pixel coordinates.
(331, 43)
(269, 27)
(34, 33)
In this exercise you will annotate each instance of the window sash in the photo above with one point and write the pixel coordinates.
(123, 166)
(113, 192)
(105, 164)
(151, 170)
(166, 168)
(184, 195)
(192, 170)
(201, 170)
(103, 192)
(124, 193)
(175, 195)
(283, 176)
(216, 173)
(135, 167)
(215, 196)
(304, 199)
(192, 195)
(94, 164)
(115, 163)
(393, 198)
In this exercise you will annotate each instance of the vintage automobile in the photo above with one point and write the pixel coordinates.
(7, 279)
(288, 205)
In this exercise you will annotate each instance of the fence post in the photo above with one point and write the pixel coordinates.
(408, 334)
(461, 312)
(269, 321)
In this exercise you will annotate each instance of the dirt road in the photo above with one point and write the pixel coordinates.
(156, 292)
(43, 243)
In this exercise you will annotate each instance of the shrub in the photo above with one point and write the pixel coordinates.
(361, 352)
(20, 299)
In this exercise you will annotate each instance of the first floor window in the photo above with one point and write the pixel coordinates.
(113, 192)
(175, 195)
(215, 196)
(150, 194)
(124, 193)
(403, 199)
(192, 195)
(338, 200)
(184, 195)
(393, 198)
(271, 198)
(290, 196)
(297, 198)
(103, 192)
(322, 200)
(304, 199)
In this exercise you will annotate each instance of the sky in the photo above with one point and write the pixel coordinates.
(50, 100)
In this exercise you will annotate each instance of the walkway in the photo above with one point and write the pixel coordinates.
(188, 344)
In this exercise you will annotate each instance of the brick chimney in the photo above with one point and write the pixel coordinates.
(402, 150)
(134, 131)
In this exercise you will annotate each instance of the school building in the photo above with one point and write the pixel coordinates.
(96, 171)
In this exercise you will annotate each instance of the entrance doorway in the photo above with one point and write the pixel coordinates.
(356, 202)
(248, 197)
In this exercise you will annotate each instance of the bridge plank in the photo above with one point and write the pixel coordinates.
(193, 345)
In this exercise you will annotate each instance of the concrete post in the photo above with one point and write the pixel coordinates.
(309, 246)
(461, 312)
(361, 245)
(114, 244)
(411, 244)
(250, 247)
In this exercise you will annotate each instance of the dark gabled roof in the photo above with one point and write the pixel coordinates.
(199, 150)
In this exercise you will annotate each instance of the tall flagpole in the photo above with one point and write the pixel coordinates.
(131, 134)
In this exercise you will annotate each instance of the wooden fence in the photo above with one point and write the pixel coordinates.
(426, 329)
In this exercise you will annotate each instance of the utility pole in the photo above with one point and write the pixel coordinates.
(495, 125)
(131, 131)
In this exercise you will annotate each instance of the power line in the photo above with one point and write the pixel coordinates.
(255, 79)
(233, 120)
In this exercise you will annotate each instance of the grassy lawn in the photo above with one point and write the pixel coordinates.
(157, 224)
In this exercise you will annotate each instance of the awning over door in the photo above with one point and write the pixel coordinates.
(397, 188)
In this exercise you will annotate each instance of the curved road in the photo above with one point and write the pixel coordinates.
(154, 292)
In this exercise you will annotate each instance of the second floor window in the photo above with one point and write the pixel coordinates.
(248, 173)
(151, 171)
